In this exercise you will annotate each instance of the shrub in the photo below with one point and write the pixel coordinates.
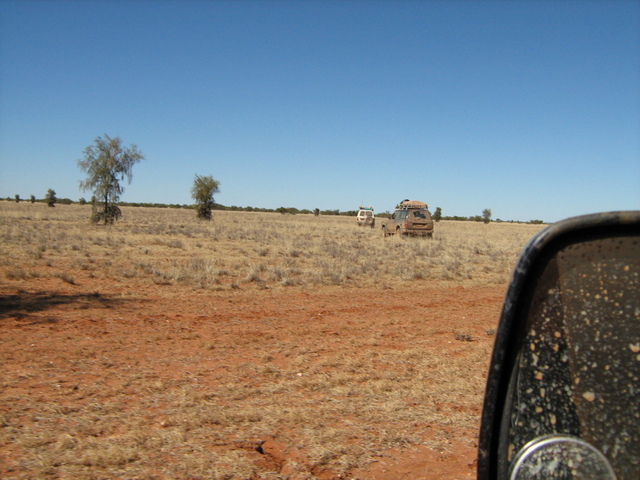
(50, 198)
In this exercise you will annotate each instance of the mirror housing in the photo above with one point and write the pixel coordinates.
(564, 380)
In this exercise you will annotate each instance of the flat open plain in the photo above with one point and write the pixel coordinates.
(254, 346)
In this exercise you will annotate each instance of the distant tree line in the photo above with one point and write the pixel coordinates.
(480, 218)
(437, 215)
(50, 199)
(108, 163)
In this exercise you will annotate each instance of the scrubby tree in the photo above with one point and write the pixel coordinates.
(33, 199)
(437, 215)
(50, 197)
(486, 215)
(17, 197)
(107, 163)
(202, 192)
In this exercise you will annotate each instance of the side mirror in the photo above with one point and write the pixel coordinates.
(563, 391)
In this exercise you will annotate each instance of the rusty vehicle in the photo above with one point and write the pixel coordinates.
(411, 218)
(366, 217)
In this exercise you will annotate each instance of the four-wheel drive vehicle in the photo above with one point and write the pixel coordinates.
(366, 217)
(410, 218)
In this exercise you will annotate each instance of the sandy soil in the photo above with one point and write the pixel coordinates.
(151, 330)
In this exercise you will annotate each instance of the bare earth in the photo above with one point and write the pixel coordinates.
(255, 346)
(152, 353)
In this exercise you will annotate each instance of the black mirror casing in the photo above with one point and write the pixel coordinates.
(568, 339)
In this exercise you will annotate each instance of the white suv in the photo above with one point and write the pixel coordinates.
(366, 217)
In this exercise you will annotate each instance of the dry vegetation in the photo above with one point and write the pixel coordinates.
(166, 347)
(172, 247)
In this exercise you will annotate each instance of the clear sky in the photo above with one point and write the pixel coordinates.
(529, 108)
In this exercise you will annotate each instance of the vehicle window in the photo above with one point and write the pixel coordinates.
(419, 214)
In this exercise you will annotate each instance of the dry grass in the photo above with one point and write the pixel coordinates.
(170, 247)
(175, 401)
(341, 410)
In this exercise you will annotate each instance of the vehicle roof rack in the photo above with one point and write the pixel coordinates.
(407, 204)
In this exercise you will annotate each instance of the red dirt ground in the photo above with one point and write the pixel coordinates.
(39, 322)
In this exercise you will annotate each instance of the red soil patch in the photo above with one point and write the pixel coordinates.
(145, 328)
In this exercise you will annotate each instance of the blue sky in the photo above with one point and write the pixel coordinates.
(531, 109)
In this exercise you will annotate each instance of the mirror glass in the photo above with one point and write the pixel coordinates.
(578, 372)
(560, 457)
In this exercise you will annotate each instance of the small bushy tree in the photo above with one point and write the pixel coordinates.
(50, 197)
(486, 215)
(204, 187)
(107, 163)
(437, 215)
(33, 199)
(17, 197)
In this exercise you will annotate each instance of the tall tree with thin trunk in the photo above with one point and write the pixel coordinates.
(202, 192)
(107, 163)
